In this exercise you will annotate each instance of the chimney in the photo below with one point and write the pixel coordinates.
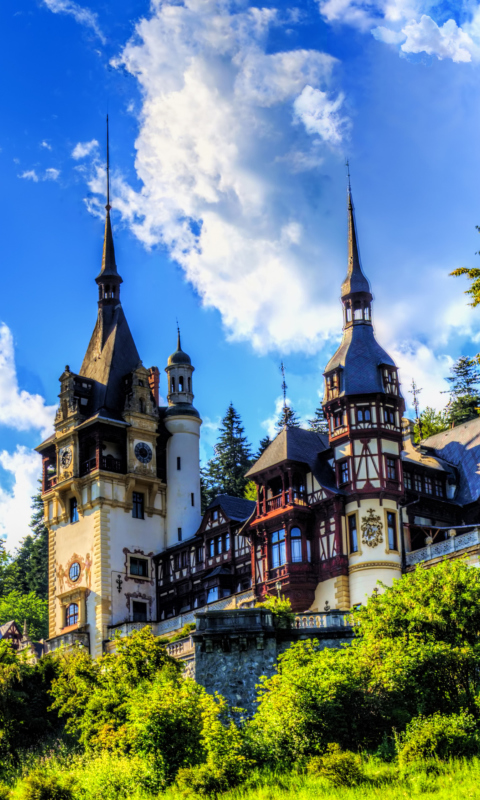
(154, 382)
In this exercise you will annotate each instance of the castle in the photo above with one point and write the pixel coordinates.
(334, 514)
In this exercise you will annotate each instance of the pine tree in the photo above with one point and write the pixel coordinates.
(432, 422)
(225, 472)
(264, 443)
(464, 400)
(28, 569)
(288, 418)
(318, 423)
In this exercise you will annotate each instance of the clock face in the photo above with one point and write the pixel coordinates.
(65, 457)
(143, 452)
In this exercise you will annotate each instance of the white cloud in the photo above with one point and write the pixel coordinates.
(50, 174)
(447, 41)
(45, 145)
(228, 133)
(82, 15)
(19, 409)
(83, 149)
(412, 23)
(30, 175)
(24, 465)
(320, 115)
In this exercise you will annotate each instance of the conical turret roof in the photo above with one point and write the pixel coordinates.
(355, 280)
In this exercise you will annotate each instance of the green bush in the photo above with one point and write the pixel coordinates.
(341, 768)
(5, 792)
(438, 736)
(116, 777)
(40, 785)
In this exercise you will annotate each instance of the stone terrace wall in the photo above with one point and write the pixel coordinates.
(233, 649)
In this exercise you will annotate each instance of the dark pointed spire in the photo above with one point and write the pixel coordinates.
(179, 357)
(355, 280)
(109, 267)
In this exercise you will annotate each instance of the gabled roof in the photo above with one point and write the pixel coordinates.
(291, 444)
(460, 446)
(236, 509)
(111, 354)
(4, 629)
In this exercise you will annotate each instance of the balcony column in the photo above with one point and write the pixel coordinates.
(265, 498)
(98, 449)
(290, 486)
(283, 490)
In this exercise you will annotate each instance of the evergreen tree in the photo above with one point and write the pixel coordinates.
(431, 422)
(265, 442)
(225, 472)
(318, 423)
(288, 417)
(464, 395)
(27, 571)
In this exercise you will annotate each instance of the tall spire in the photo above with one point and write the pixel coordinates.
(109, 267)
(355, 280)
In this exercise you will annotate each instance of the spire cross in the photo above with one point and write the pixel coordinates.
(108, 206)
(416, 405)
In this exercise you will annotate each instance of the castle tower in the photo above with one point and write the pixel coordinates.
(183, 422)
(363, 406)
(103, 491)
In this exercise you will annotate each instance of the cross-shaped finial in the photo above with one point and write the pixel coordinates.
(347, 164)
(415, 391)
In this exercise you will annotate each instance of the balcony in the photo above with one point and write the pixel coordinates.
(108, 463)
(327, 620)
(274, 502)
(454, 544)
(292, 497)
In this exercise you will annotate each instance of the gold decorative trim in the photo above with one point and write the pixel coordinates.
(375, 565)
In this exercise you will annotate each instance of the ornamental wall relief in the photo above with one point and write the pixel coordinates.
(372, 528)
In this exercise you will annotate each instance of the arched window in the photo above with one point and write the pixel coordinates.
(349, 314)
(172, 383)
(107, 290)
(360, 415)
(358, 313)
(141, 405)
(180, 383)
(113, 291)
(189, 384)
(366, 313)
(296, 544)
(367, 415)
(72, 614)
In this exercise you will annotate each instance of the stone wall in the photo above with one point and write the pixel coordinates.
(233, 649)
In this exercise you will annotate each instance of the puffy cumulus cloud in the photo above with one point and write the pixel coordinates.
(23, 467)
(29, 175)
(447, 41)
(411, 25)
(228, 134)
(19, 409)
(83, 149)
(52, 174)
(81, 15)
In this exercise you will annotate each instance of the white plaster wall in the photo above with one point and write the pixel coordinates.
(325, 592)
(184, 443)
(362, 583)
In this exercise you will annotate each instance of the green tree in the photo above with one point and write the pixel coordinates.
(250, 491)
(464, 394)
(318, 423)
(432, 422)
(473, 275)
(288, 418)
(27, 571)
(30, 607)
(225, 472)
(264, 443)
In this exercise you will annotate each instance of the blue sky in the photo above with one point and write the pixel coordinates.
(230, 124)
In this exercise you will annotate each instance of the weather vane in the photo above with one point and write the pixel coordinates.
(284, 384)
(347, 164)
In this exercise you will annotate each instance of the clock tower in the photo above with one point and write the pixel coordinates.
(104, 480)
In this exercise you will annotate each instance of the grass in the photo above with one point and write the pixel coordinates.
(118, 778)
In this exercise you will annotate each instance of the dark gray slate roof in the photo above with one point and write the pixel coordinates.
(111, 354)
(236, 508)
(291, 444)
(355, 280)
(360, 356)
(460, 446)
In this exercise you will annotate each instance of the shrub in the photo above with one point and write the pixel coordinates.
(116, 777)
(438, 736)
(43, 786)
(5, 792)
(281, 609)
(341, 768)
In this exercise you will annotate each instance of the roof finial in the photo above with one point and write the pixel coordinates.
(415, 391)
(108, 206)
(284, 384)
(178, 335)
(347, 164)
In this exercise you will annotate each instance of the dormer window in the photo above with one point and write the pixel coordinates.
(338, 419)
(390, 380)
(349, 314)
(366, 313)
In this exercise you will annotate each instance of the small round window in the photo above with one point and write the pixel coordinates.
(74, 571)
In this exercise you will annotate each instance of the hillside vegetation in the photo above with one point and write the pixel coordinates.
(395, 714)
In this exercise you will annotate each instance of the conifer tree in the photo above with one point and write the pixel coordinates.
(464, 400)
(288, 418)
(28, 569)
(431, 422)
(318, 423)
(264, 443)
(225, 472)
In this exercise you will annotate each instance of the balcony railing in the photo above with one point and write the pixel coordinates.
(109, 463)
(323, 620)
(453, 544)
(52, 481)
(274, 502)
(88, 466)
(291, 497)
(183, 648)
